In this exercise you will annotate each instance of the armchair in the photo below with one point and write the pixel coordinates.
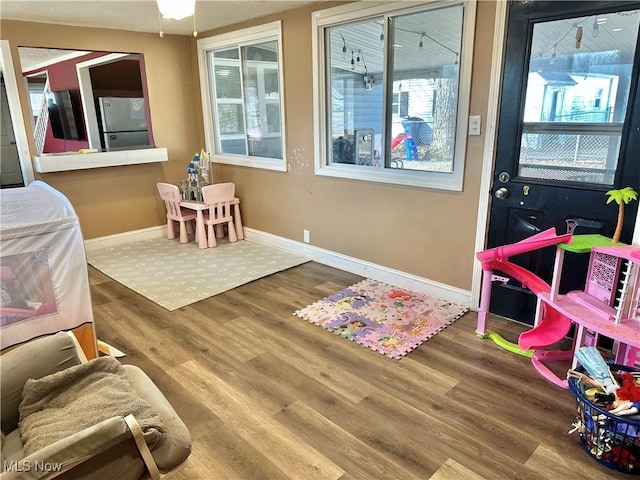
(113, 448)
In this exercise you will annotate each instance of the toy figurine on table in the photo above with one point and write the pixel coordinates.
(197, 177)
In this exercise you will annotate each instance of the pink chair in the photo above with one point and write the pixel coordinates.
(172, 198)
(218, 198)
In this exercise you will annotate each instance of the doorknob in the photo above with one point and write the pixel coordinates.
(502, 193)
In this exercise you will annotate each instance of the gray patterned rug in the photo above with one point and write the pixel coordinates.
(174, 275)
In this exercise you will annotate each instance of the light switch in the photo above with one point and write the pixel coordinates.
(475, 122)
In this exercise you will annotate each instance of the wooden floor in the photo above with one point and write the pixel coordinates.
(267, 395)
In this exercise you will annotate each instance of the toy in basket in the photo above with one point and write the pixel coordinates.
(608, 404)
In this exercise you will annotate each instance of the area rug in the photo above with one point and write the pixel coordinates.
(390, 320)
(174, 275)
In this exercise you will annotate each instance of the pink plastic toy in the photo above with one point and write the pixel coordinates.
(609, 304)
(553, 327)
(601, 309)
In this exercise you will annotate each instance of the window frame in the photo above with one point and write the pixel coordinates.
(238, 39)
(358, 11)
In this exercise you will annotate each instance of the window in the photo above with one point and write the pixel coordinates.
(242, 97)
(576, 101)
(396, 80)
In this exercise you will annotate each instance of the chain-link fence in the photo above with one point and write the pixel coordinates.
(569, 157)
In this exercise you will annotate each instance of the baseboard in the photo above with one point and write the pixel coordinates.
(362, 267)
(125, 237)
(317, 254)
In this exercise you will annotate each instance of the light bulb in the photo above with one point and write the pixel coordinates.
(382, 38)
(579, 36)
(421, 44)
(344, 50)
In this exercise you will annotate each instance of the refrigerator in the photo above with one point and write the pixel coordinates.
(123, 122)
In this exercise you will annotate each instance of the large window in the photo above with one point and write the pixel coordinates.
(242, 94)
(576, 98)
(393, 86)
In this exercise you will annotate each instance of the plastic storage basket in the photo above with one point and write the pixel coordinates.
(612, 440)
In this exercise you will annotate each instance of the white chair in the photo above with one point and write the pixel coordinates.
(218, 198)
(186, 218)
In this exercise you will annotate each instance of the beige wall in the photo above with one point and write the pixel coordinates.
(425, 232)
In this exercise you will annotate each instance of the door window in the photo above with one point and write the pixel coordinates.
(577, 92)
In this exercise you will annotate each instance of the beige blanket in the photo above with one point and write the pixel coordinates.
(71, 400)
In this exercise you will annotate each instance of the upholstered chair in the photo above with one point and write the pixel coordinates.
(112, 448)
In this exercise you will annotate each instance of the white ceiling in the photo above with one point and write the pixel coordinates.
(141, 15)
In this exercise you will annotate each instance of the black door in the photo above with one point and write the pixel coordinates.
(569, 131)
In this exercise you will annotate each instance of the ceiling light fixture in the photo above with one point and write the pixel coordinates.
(177, 10)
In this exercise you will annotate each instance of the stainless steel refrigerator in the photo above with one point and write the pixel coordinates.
(124, 122)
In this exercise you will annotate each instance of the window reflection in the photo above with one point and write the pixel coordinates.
(576, 99)
(419, 130)
(247, 94)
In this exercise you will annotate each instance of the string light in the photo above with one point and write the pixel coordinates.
(344, 45)
(425, 35)
(357, 55)
(553, 47)
(579, 36)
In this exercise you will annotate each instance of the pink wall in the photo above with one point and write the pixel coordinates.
(63, 76)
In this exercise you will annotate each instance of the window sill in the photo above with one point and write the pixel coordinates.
(62, 162)
(411, 178)
(276, 164)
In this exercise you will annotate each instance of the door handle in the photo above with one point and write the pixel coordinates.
(502, 193)
(12, 143)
